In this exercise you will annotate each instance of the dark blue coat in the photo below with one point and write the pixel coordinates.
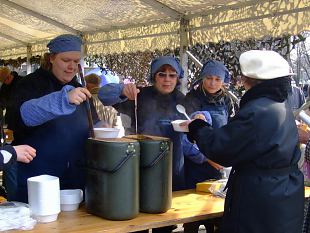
(60, 142)
(265, 188)
(155, 113)
(220, 108)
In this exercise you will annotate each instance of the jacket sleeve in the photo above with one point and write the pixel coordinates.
(38, 111)
(224, 145)
(7, 156)
(111, 94)
(192, 152)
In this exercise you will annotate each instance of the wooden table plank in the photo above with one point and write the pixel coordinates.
(187, 206)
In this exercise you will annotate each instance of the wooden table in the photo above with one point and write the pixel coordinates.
(187, 206)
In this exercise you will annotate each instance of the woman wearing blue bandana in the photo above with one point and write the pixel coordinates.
(156, 109)
(209, 96)
(49, 115)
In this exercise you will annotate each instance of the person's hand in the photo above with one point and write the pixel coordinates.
(78, 95)
(25, 153)
(130, 90)
(215, 165)
(193, 126)
(304, 135)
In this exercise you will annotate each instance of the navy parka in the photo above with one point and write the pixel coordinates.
(265, 188)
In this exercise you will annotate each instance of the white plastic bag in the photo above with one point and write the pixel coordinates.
(218, 190)
(15, 215)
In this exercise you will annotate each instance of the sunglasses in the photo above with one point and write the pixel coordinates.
(170, 75)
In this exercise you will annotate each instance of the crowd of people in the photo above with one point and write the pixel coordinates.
(259, 138)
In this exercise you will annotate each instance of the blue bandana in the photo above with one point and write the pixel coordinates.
(166, 60)
(217, 68)
(65, 43)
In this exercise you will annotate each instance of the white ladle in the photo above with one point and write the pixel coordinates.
(182, 110)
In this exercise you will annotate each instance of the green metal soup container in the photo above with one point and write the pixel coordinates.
(112, 178)
(155, 173)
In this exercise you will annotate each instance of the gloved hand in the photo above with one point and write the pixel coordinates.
(194, 126)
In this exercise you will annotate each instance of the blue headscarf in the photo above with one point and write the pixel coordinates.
(217, 68)
(65, 43)
(165, 60)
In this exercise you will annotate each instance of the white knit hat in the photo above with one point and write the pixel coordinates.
(259, 64)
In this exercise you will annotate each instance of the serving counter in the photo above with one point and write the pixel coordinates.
(187, 206)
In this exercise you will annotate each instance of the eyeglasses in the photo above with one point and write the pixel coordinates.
(170, 75)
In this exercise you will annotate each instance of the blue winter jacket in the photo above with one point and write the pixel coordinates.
(155, 113)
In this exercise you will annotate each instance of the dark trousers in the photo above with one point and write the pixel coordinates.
(10, 181)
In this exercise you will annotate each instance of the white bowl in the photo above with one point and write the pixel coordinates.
(106, 132)
(70, 199)
(177, 127)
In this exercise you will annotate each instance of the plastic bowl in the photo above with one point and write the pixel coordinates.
(106, 132)
(70, 199)
(176, 126)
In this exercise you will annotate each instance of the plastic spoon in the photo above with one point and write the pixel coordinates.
(182, 110)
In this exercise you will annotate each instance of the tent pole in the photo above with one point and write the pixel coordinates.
(184, 43)
(29, 54)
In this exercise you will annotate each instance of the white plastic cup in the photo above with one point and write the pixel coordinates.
(44, 197)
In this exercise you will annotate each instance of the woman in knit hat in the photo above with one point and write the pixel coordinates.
(265, 188)
(49, 114)
(156, 109)
(211, 96)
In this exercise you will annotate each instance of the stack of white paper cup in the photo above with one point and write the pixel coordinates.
(44, 197)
